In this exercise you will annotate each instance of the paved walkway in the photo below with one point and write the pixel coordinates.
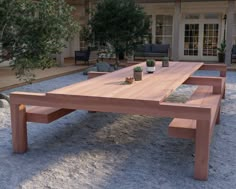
(8, 79)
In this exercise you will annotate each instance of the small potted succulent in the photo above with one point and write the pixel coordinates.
(150, 66)
(138, 73)
(165, 62)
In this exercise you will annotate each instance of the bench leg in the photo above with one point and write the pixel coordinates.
(202, 147)
(19, 129)
(223, 96)
(218, 116)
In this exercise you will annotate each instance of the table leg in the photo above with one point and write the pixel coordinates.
(223, 96)
(19, 129)
(218, 116)
(202, 147)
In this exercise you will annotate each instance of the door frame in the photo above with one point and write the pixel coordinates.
(201, 21)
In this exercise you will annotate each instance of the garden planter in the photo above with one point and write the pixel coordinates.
(151, 69)
(221, 57)
(138, 76)
(165, 63)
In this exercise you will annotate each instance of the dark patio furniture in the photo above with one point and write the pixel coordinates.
(82, 55)
(233, 54)
(155, 51)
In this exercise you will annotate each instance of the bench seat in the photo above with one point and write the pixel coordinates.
(41, 114)
(186, 128)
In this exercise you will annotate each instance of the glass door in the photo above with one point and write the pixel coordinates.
(191, 40)
(200, 37)
(210, 39)
(201, 41)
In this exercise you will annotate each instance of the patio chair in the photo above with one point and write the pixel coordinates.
(233, 54)
(82, 55)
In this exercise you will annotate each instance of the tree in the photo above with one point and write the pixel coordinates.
(31, 31)
(121, 23)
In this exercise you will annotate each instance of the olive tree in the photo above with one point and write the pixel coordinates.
(121, 23)
(31, 31)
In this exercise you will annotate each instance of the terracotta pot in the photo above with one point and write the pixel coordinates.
(138, 76)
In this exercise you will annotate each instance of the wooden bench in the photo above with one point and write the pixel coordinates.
(208, 94)
(41, 114)
(202, 96)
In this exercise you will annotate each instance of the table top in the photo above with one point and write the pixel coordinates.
(154, 87)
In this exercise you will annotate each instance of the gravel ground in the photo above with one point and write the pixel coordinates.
(115, 151)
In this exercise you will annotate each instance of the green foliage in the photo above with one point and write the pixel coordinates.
(121, 23)
(222, 47)
(165, 59)
(31, 31)
(138, 69)
(150, 63)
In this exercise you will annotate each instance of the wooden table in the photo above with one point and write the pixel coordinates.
(109, 93)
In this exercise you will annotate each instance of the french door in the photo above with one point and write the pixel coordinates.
(200, 41)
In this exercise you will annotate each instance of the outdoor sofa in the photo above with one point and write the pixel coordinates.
(154, 51)
(233, 54)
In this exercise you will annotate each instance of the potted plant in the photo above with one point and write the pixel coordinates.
(150, 66)
(138, 73)
(165, 62)
(221, 53)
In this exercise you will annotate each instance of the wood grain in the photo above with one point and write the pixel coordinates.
(155, 87)
(19, 129)
(41, 114)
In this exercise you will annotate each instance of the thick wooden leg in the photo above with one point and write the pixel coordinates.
(202, 147)
(223, 96)
(218, 116)
(19, 129)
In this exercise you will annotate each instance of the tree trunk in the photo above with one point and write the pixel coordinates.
(1, 53)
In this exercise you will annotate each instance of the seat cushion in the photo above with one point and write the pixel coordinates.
(233, 56)
(160, 48)
(144, 48)
(234, 49)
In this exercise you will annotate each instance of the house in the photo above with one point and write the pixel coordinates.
(193, 28)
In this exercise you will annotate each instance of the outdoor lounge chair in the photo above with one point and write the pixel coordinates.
(82, 55)
(233, 54)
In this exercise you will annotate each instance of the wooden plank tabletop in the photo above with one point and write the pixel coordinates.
(154, 87)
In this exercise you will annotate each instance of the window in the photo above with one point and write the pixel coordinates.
(192, 16)
(210, 39)
(191, 43)
(212, 16)
(164, 25)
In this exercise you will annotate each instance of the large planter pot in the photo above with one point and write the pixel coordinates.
(151, 69)
(138, 76)
(165, 63)
(221, 57)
